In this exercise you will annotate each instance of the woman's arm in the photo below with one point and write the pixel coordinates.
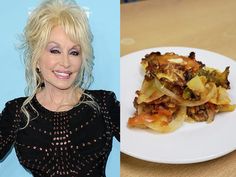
(114, 112)
(8, 128)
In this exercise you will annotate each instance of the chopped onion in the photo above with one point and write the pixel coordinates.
(162, 126)
(211, 115)
(204, 98)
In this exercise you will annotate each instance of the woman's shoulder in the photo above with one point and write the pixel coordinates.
(101, 94)
(104, 98)
(16, 102)
(12, 106)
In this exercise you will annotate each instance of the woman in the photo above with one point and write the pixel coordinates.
(61, 128)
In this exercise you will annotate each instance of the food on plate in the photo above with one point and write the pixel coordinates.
(176, 89)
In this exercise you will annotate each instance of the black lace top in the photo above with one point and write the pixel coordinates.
(62, 144)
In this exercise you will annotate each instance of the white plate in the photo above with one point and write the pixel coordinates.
(191, 143)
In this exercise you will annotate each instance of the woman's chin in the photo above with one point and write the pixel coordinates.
(59, 86)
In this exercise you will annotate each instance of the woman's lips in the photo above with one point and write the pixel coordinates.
(62, 74)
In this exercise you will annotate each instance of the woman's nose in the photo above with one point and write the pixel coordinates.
(66, 61)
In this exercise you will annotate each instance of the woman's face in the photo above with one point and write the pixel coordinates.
(60, 62)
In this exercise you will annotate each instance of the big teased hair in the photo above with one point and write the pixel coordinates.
(49, 14)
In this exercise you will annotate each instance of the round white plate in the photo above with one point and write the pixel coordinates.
(191, 143)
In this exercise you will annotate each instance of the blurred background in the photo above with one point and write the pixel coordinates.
(126, 1)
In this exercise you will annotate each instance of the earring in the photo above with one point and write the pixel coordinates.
(38, 70)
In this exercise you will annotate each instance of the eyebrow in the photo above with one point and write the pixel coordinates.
(74, 46)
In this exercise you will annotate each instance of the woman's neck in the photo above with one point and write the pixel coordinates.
(58, 100)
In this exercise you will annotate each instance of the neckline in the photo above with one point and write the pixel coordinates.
(46, 110)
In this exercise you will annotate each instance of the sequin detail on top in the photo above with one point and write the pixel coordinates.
(63, 144)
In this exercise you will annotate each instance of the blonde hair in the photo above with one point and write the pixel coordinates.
(73, 19)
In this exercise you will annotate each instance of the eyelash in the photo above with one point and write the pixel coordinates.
(74, 53)
(55, 51)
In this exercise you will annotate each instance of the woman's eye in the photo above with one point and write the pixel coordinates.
(55, 51)
(74, 53)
